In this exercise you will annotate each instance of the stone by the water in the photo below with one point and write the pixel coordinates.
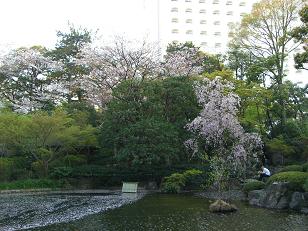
(221, 206)
(279, 196)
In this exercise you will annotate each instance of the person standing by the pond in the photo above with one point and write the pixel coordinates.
(264, 173)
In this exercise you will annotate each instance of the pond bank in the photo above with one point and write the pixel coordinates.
(279, 196)
(276, 196)
(72, 191)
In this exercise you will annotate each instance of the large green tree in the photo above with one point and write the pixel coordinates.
(44, 138)
(301, 34)
(67, 51)
(144, 123)
(264, 34)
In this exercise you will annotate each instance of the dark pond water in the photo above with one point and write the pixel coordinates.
(157, 212)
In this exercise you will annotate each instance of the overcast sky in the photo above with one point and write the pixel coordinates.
(35, 22)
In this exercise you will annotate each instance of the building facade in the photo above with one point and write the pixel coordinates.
(206, 23)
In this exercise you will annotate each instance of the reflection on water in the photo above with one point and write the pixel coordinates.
(153, 212)
(28, 211)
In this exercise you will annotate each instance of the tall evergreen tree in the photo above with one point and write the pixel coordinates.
(68, 50)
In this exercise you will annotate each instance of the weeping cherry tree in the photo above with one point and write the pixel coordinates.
(218, 132)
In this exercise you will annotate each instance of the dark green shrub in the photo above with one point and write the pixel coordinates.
(252, 184)
(194, 178)
(192, 173)
(31, 184)
(74, 160)
(296, 179)
(305, 167)
(6, 167)
(292, 168)
(306, 185)
(62, 172)
(38, 169)
(173, 183)
(21, 168)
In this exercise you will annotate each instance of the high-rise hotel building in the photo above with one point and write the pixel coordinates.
(204, 22)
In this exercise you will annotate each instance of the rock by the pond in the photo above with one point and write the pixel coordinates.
(255, 197)
(299, 202)
(283, 203)
(221, 206)
(279, 196)
(296, 200)
(152, 185)
(275, 196)
(304, 210)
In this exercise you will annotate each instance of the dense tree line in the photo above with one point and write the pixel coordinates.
(87, 110)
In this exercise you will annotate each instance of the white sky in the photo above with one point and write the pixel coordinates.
(35, 22)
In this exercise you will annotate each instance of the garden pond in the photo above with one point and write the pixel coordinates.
(110, 212)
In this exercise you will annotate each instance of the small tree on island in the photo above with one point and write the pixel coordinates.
(217, 131)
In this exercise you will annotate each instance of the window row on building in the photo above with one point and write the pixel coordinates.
(176, 20)
(203, 22)
(204, 44)
(216, 45)
(215, 2)
(189, 21)
(203, 11)
(188, 10)
(203, 32)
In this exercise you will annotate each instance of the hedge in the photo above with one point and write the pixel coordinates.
(296, 179)
(292, 168)
(252, 184)
(177, 181)
(31, 184)
(305, 167)
(306, 185)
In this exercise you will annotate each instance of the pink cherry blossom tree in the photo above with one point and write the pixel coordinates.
(25, 80)
(112, 64)
(182, 60)
(217, 131)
